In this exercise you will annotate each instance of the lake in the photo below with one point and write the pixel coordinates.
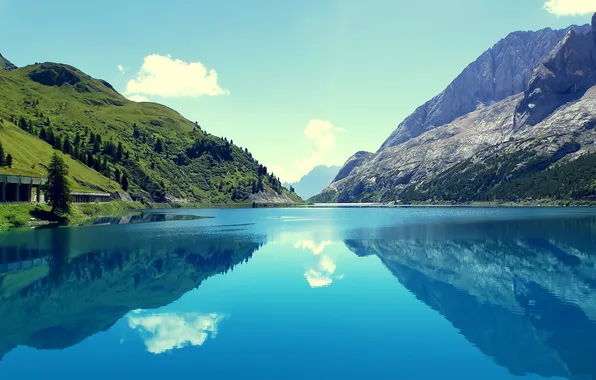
(304, 293)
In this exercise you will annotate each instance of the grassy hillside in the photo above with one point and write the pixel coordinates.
(32, 154)
(163, 155)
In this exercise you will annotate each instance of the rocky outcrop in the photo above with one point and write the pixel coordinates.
(502, 71)
(5, 64)
(354, 161)
(564, 76)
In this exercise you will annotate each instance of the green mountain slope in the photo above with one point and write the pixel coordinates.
(164, 156)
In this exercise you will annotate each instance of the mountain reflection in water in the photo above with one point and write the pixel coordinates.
(87, 281)
(523, 291)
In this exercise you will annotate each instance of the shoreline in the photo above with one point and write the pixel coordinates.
(30, 215)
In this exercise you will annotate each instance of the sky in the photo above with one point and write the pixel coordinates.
(298, 83)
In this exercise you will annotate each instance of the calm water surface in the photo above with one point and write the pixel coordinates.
(412, 293)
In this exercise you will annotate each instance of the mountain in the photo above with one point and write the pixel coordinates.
(521, 291)
(105, 137)
(5, 64)
(314, 182)
(509, 141)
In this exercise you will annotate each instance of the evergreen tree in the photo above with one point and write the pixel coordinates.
(9, 160)
(124, 182)
(67, 147)
(135, 132)
(2, 157)
(51, 137)
(77, 152)
(119, 152)
(77, 140)
(43, 135)
(58, 142)
(23, 124)
(92, 138)
(57, 187)
(158, 146)
(96, 144)
(117, 175)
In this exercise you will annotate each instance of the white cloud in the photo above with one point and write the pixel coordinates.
(163, 332)
(321, 134)
(570, 7)
(121, 69)
(317, 249)
(168, 77)
(323, 275)
(138, 98)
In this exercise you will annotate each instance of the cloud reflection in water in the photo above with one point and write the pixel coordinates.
(162, 332)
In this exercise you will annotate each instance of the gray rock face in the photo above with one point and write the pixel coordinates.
(5, 64)
(352, 162)
(565, 75)
(502, 71)
(428, 143)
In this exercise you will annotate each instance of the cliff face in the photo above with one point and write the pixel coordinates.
(528, 119)
(564, 76)
(502, 71)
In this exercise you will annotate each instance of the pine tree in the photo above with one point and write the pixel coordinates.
(158, 146)
(119, 152)
(135, 132)
(57, 187)
(23, 124)
(43, 135)
(67, 147)
(2, 157)
(124, 182)
(58, 142)
(9, 160)
(117, 175)
(96, 145)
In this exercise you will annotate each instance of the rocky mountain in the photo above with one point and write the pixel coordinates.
(5, 64)
(506, 286)
(477, 140)
(315, 181)
(104, 137)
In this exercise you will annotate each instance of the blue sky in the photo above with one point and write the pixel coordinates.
(299, 83)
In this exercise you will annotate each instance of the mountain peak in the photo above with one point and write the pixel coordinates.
(5, 64)
(565, 75)
(503, 70)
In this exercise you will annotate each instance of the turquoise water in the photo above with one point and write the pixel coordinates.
(407, 293)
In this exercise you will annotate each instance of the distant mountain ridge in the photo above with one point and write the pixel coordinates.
(499, 150)
(315, 181)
